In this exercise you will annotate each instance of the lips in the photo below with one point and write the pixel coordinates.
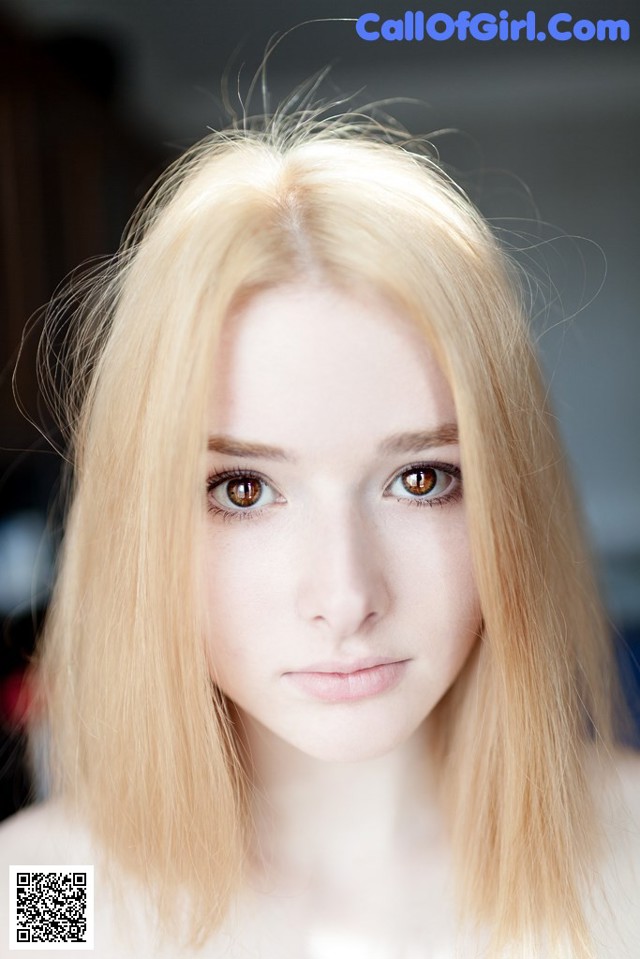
(336, 666)
(350, 682)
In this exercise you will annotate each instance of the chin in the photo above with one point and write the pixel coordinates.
(345, 743)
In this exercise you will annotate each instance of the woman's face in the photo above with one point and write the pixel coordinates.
(337, 573)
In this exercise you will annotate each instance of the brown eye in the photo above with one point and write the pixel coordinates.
(244, 492)
(426, 484)
(420, 481)
(239, 493)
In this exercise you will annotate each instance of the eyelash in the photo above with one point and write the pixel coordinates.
(217, 479)
(450, 496)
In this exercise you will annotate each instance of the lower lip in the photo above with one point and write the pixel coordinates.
(346, 687)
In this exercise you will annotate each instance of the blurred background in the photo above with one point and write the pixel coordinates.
(97, 97)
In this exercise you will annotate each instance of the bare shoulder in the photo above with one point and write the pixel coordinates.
(40, 835)
(42, 830)
(627, 764)
(48, 834)
(621, 799)
(619, 908)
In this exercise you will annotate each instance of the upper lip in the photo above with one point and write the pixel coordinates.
(352, 666)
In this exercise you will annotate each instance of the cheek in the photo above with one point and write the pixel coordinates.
(435, 585)
(457, 593)
(460, 604)
(239, 586)
(243, 570)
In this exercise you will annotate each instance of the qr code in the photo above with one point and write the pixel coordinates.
(51, 907)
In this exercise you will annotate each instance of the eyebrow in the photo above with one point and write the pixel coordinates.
(232, 447)
(445, 435)
(409, 442)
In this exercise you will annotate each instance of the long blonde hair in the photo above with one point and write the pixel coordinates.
(142, 740)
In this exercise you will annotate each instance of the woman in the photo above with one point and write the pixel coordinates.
(310, 692)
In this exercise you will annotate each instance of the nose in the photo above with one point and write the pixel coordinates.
(342, 582)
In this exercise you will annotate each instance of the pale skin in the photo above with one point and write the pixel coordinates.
(342, 561)
(337, 561)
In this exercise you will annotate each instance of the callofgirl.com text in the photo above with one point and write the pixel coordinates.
(416, 25)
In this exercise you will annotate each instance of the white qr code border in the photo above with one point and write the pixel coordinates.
(14, 871)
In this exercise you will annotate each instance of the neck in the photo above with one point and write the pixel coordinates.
(318, 821)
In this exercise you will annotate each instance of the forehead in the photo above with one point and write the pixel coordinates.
(313, 364)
